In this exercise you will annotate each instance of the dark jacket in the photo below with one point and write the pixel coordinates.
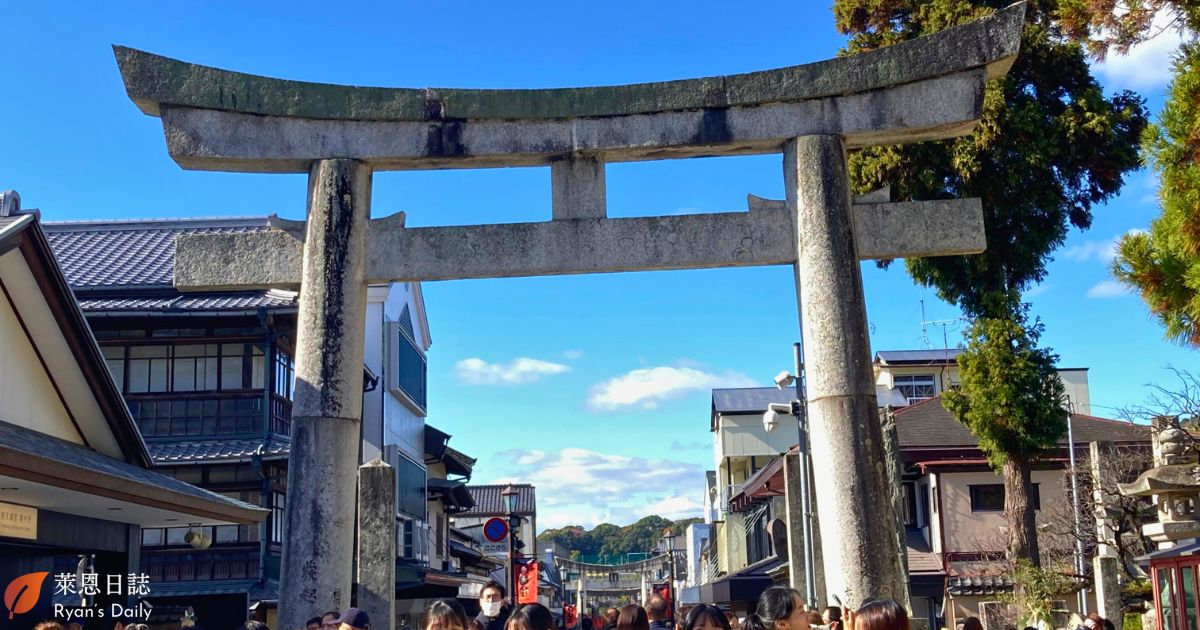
(660, 625)
(494, 623)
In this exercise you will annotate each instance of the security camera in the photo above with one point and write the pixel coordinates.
(770, 421)
(197, 540)
(770, 417)
(783, 379)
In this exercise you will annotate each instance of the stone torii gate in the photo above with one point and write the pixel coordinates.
(926, 89)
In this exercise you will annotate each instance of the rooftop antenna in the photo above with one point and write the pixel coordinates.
(944, 323)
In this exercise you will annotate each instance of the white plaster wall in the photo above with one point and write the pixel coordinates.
(744, 435)
(27, 397)
(696, 534)
(980, 531)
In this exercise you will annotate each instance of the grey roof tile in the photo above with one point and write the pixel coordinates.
(212, 451)
(233, 301)
(127, 254)
(123, 266)
(929, 424)
(488, 501)
(25, 440)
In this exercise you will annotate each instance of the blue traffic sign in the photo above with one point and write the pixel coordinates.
(495, 530)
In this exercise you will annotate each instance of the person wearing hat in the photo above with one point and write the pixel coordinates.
(353, 619)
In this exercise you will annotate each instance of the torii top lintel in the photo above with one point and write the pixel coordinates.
(927, 88)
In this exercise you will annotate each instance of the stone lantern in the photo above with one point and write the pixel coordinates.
(1173, 483)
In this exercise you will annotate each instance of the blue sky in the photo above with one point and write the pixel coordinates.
(593, 387)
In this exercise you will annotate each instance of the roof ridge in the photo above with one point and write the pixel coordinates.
(157, 223)
(918, 404)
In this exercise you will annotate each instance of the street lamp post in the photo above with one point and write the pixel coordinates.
(510, 495)
(671, 572)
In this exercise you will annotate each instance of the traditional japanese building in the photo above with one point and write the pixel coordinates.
(77, 496)
(208, 377)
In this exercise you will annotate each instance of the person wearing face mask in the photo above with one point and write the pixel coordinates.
(493, 611)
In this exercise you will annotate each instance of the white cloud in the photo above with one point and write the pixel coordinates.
(578, 486)
(1101, 251)
(1107, 289)
(476, 371)
(1147, 65)
(573, 354)
(646, 387)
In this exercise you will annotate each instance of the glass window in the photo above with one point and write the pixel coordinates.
(258, 367)
(990, 497)
(277, 517)
(175, 535)
(916, 387)
(153, 536)
(285, 373)
(1188, 605)
(232, 355)
(226, 534)
(1166, 596)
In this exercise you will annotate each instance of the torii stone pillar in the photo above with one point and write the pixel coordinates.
(926, 89)
(848, 457)
(327, 410)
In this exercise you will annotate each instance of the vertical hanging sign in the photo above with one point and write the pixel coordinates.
(526, 570)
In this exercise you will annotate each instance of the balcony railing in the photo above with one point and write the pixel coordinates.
(175, 566)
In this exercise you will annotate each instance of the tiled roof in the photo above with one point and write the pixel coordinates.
(211, 451)
(979, 585)
(21, 439)
(130, 254)
(894, 357)
(930, 424)
(488, 501)
(233, 301)
(122, 266)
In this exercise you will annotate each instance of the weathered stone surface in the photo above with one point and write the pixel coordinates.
(859, 545)
(895, 475)
(209, 139)
(734, 239)
(1109, 603)
(577, 186)
(318, 546)
(917, 229)
(376, 585)
(153, 81)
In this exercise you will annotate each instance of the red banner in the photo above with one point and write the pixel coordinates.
(526, 570)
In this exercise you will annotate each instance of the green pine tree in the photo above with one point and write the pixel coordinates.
(1050, 145)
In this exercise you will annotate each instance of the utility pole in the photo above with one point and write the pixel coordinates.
(801, 413)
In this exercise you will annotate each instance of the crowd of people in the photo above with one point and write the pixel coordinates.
(778, 608)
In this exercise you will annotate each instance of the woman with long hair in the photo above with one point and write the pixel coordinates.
(633, 617)
(530, 617)
(706, 617)
(445, 614)
(882, 614)
(779, 608)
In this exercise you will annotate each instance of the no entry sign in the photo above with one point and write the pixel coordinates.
(495, 530)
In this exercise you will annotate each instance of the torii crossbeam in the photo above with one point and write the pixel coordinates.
(925, 89)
